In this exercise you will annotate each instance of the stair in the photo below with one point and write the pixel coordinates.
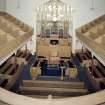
(58, 89)
(57, 78)
(45, 97)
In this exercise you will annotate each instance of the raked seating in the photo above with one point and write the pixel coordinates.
(9, 72)
(25, 54)
(85, 58)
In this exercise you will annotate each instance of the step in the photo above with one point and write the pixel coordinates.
(56, 78)
(53, 66)
(8, 72)
(98, 73)
(6, 66)
(101, 69)
(46, 96)
(52, 91)
(53, 84)
(23, 54)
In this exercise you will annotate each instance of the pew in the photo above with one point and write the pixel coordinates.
(23, 54)
(15, 76)
(2, 69)
(9, 72)
(4, 76)
(101, 69)
(86, 63)
(85, 58)
(18, 60)
(96, 75)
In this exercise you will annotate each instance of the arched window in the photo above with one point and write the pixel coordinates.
(54, 17)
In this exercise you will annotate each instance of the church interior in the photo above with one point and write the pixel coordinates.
(52, 52)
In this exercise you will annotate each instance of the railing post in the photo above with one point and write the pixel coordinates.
(62, 76)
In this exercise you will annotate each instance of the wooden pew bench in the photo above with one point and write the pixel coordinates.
(9, 72)
(23, 54)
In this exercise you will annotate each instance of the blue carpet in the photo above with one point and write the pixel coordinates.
(25, 75)
(50, 70)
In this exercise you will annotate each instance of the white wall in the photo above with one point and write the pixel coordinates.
(81, 15)
(2, 5)
(26, 12)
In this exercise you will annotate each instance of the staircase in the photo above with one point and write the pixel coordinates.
(57, 89)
